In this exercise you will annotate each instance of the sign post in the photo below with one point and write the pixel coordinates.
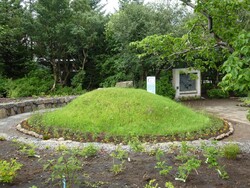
(151, 84)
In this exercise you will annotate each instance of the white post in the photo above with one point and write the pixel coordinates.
(151, 84)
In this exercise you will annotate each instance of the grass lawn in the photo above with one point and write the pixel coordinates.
(126, 112)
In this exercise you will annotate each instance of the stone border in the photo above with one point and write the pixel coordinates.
(36, 135)
(14, 108)
(224, 135)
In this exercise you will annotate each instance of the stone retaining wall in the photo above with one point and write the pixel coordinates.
(13, 108)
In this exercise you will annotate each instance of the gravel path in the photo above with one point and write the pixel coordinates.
(8, 130)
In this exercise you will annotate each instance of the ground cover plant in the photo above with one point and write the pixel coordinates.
(118, 114)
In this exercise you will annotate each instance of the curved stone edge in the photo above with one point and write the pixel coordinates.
(14, 108)
(224, 135)
(25, 131)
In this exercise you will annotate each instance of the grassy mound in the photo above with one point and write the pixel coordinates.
(125, 112)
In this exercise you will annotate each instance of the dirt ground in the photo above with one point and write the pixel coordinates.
(137, 173)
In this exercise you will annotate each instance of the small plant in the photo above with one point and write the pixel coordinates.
(185, 169)
(29, 150)
(189, 162)
(152, 184)
(118, 168)
(163, 167)
(66, 168)
(2, 138)
(119, 154)
(212, 153)
(8, 170)
(169, 185)
(222, 172)
(231, 151)
(136, 145)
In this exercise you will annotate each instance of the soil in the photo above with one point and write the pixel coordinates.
(137, 173)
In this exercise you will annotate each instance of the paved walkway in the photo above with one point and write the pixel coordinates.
(227, 109)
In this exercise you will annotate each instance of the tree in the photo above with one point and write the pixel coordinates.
(65, 32)
(134, 22)
(227, 28)
(218, 38)
(15, 53)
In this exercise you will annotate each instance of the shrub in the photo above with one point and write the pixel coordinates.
(217, 93)
(36, 83)
(231, 151)
(164, 87)
(3, 86)
(8, 170)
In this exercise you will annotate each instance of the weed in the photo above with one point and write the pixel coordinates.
(212, 153)
(169, 185)
(2, 138)
(65, 168)
(152, 184)
(185, 169)
(231, 151)
(119, 153)
(136, 145)
(29, 150)
(189, 162)
(118, 168)
(8, 170)
(164, 168)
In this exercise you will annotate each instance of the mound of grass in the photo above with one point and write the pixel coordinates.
(125, 112)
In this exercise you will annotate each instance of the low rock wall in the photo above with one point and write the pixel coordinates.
(13, 108)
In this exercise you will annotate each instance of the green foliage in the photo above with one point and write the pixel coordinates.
(66, 167)
(231, 151)
(2, 138)
(36, 83)
(119, 153)
(118, 168)
(169, 185)
(163, 167)
(237, 67)
(152, 184)
(3, 86)
(190, 162)
(248, 115)
(136, 145)
(89, 151)
(8, 170)
(164, 87)
(217, 93)
(29, 150)
(142, 113)
(212, 154)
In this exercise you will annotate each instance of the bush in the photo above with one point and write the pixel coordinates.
(217, 93)
(3, 86)
(36, 83)
(164, 87)
(231, 151)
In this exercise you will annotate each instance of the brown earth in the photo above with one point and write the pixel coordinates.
(137, 173)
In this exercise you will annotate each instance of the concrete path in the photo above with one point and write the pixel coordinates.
(227, 109)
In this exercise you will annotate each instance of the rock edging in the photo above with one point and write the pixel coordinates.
(14, 108)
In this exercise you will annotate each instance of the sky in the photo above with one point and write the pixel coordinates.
(112, 5)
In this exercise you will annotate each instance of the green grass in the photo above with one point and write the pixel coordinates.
(126, 112)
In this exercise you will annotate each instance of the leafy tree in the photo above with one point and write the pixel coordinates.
(14, 43)
(134, 22)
